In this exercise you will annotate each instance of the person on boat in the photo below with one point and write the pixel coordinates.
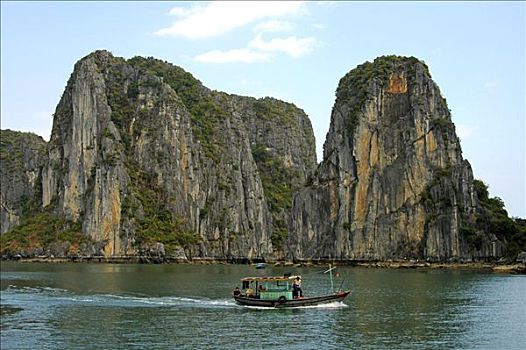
(296, 288)
(251, 293)
(237, 292)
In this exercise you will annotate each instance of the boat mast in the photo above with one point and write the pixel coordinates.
(330, 274)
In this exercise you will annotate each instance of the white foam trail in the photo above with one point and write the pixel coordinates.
(130, 301)
(334, 305)
(119, 299)
(25, 289)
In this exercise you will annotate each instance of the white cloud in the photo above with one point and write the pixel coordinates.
(180, 11)
(464, 131)
(219, 17)
(292, 46)
(234, 56)
(273, 26)
(318, 26)
(259, 50)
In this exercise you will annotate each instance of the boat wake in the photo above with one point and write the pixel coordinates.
(24, 295)
(333, 305)
(21, 295)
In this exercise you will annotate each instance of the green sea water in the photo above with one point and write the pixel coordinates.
(110, 306)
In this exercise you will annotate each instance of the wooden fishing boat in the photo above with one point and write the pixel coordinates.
(280, 292)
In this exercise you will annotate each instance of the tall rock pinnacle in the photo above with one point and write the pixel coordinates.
(392, 183)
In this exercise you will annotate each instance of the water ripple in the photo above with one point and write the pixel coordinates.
(189, 307)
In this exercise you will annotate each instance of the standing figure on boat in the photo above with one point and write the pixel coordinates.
(296, 288)
(237, 292)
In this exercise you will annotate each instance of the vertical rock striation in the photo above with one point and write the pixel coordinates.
(283, 148)
(392, 183)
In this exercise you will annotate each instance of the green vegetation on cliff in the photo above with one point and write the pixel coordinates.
(276, 181)
(13, 146)
(42, 233)
(157, 223)
(205, 111)
(121, 103)
(271, 109)
(353, 88)
(494, 219)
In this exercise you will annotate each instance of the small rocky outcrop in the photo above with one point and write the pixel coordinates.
(22, 155)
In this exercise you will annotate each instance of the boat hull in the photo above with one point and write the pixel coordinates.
(310, 301)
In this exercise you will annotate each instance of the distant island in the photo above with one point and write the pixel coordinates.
(145, 161)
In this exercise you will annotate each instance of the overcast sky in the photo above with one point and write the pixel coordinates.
(295, 51)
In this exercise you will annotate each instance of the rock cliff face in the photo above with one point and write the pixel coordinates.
(145, 160)
(141, 152)
(21, 159)
(283, 148)
(392, 183)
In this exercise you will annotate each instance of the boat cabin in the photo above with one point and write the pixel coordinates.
(268, 288)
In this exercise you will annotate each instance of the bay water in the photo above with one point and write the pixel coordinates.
(112, 306)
